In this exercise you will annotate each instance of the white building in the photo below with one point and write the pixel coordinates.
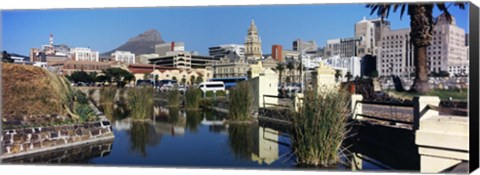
(447, 51)
(221, 51)
(124, 57)
(143, 58)
(348, 64)
(83, 54)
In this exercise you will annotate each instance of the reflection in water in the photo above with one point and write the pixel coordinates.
(141, 135)
(254, 143)
(194, 118)
(81, 155)
(241, 140)
(267, 149)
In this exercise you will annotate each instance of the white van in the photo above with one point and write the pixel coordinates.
(212, 86)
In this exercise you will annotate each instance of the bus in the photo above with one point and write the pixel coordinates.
(229, 82)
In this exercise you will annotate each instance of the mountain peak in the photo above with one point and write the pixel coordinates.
(149, 35)
(143, 43)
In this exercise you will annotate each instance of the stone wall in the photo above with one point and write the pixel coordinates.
(37, 139)
(77, 154)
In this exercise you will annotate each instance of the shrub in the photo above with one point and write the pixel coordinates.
(85, 112)
(81, 97)
(192, 98)
(218, 94)
(141, 102)
(173, 97)
(319, 127)
(241, 102)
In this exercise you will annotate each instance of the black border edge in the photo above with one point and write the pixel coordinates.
(474, 90)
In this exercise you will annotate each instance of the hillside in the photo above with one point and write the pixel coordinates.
(142, 44)
(29, 90)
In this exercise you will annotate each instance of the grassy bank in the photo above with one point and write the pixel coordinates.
(140, 100)
(457, 95)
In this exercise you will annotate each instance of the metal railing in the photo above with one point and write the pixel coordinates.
(393, 112)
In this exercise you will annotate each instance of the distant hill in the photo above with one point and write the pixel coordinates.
(142, 44)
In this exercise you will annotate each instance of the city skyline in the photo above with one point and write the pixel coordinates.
(105, 29)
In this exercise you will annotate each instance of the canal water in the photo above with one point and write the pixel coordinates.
(195, 139)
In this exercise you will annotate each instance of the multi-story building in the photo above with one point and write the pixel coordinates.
(307, 46)
(162, 49)
(343, 47)
(143, 58)
(230, 69)
(253, 43)
(349, 64)
(370, 31)
(291, 54)
(71, 66)
(277, 52)
(182, 59)
(447, 51)
(83, 54)
(123, 56)
(219, 52)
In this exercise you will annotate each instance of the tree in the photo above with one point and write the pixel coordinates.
(374, 74)
(421, 24)
(443, 73)
(199, 79)
(80, 76)
(338, 74)
(120, 76)
(145, 76)
(280, 70)
(290, 67)
(6, 57)
(184, 80)
(192, 79)
(93, 77)
(349, 76)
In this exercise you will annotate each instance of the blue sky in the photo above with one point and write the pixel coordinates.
(198, 27)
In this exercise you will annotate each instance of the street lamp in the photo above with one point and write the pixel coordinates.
(302, 74)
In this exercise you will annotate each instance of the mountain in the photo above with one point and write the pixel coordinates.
(142, 44)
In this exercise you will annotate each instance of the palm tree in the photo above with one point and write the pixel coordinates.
(280, 70)
(421, 24)
(290, 67)
(349, 76)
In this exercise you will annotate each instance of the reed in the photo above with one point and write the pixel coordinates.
(140, 100)
(319, 127)
(107, 100)
(192, 98)
(241, 102)
(173, 97)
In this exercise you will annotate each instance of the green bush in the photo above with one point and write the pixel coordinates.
(319, 127)
(218, 94)
(241, 102)
(173, 97)
(140, 100)
(85, 112)
(192, 98)
(81, 97)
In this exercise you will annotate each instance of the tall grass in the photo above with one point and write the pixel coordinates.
(241, 102)
(173, 97)
(107, 100)
(85, 112)
(319, 127)
(192, 98)
(141, 102)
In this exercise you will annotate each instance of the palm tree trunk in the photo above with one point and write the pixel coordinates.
(420, 83)
(421, 23)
